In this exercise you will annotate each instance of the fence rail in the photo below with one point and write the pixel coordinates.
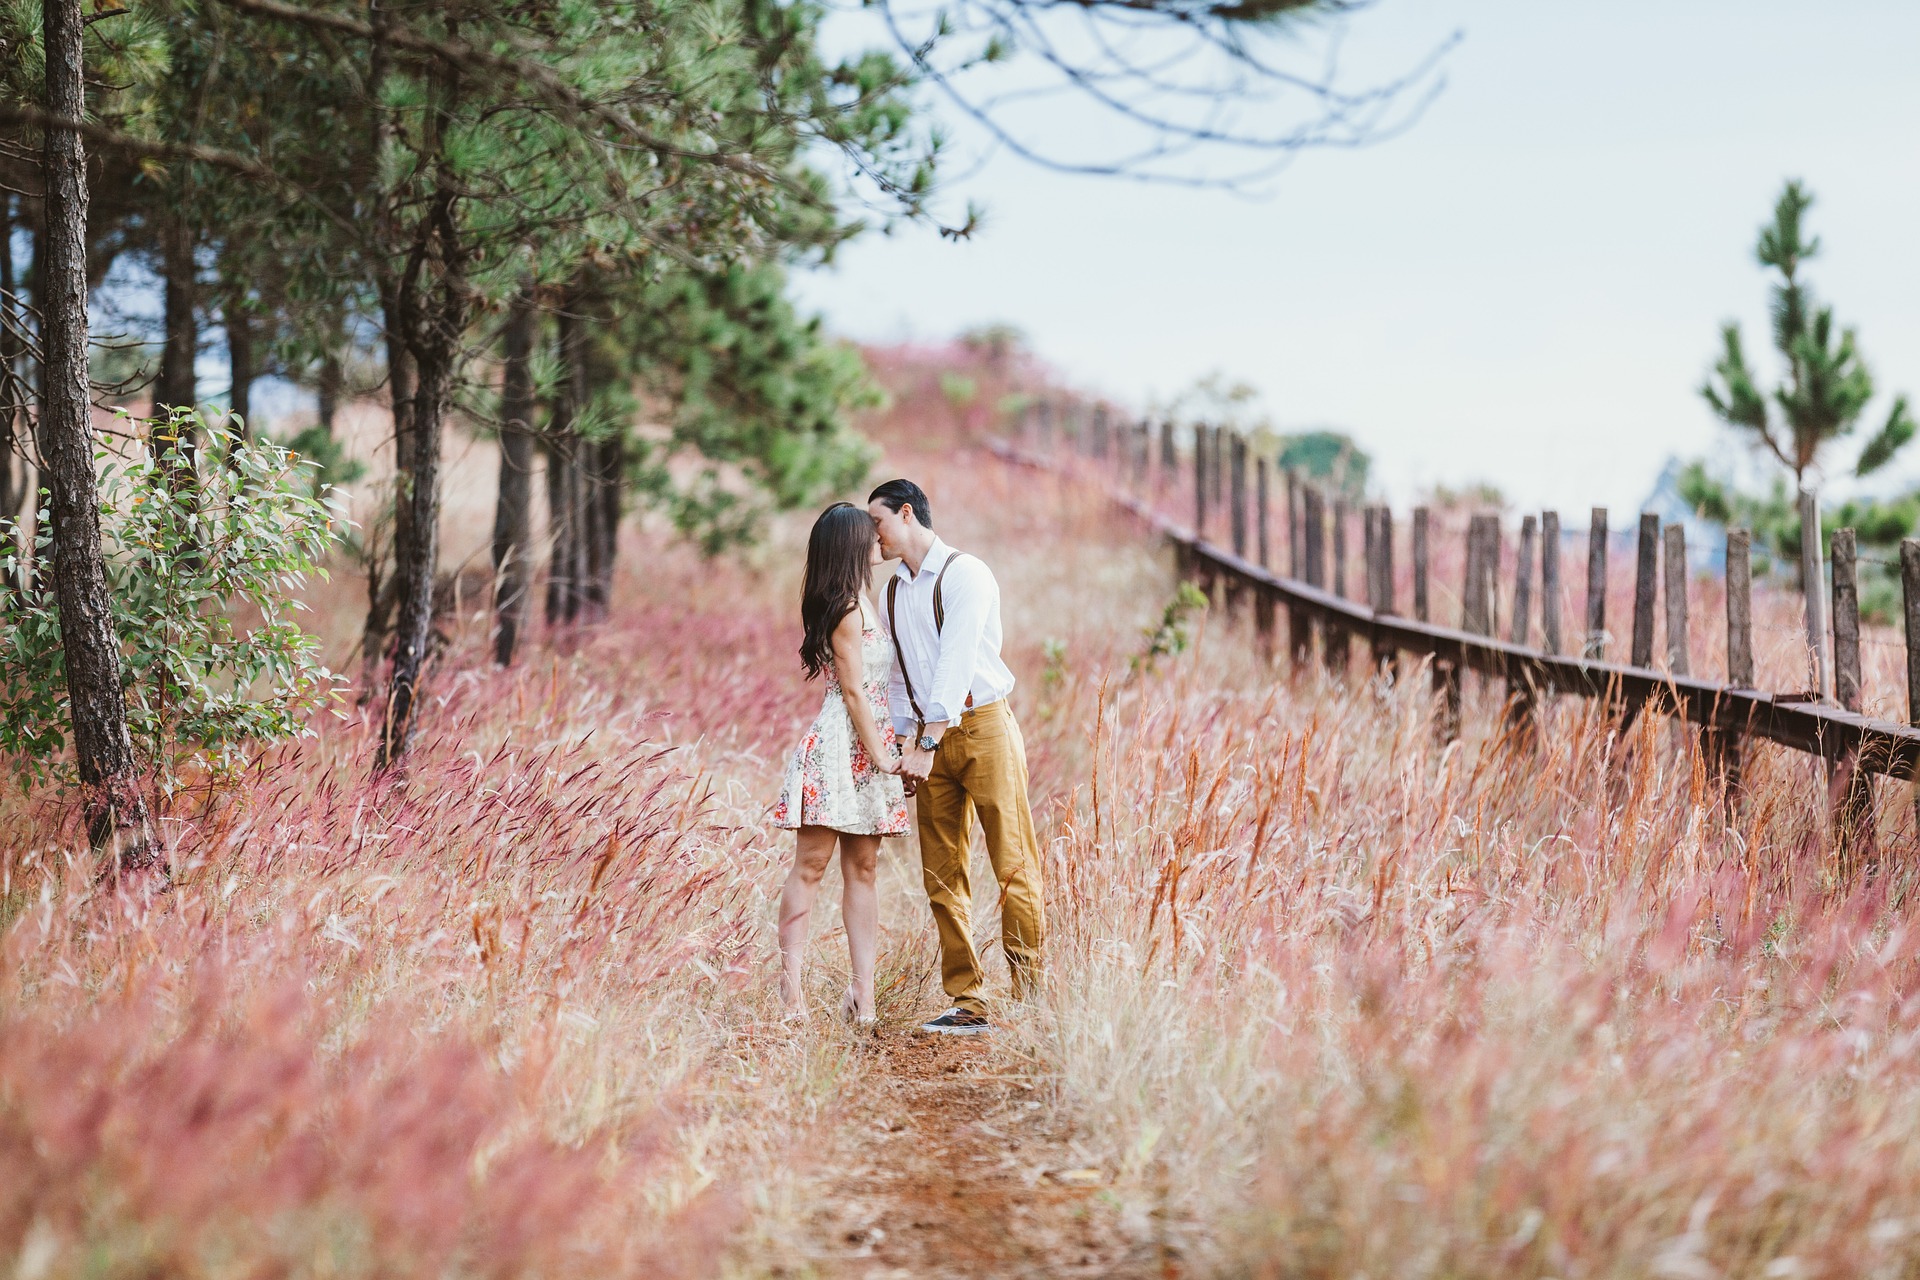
(1797, 720)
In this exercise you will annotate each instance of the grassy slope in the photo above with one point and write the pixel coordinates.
(1337, 998)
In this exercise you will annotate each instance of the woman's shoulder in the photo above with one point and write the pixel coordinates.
(861, 618)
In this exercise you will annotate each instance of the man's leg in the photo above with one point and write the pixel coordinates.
(945, 817)
(995, 773)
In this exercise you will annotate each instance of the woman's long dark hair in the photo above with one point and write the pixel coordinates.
(839, 563)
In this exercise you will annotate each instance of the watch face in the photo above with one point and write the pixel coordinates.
(927, 743)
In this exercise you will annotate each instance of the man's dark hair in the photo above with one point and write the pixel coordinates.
(904, 493)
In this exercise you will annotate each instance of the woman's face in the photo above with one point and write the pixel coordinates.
(874, 558)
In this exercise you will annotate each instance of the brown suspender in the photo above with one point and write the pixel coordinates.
(939, 625)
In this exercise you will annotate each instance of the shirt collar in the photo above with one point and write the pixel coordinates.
(936, 556)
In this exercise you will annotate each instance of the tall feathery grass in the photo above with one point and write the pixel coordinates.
(1327, 997)
(1351, 1001)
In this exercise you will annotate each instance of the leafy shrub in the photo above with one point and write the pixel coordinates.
(1172, 634)
(201, 564)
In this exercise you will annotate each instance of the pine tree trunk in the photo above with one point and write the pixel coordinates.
(13, 471)
(241, 367)
(177, 386)
(331, 381)
(565, 468)
(419, 505)
(513, 516)
(612, 462)
(116, 812)
(382, 570)
(593, 542)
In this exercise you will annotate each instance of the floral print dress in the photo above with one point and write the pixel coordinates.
(831, 781)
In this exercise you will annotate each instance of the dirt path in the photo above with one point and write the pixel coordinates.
(959, 1174)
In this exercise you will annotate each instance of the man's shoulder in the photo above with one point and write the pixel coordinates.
(968, 566)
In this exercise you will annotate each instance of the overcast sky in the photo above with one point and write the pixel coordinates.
(1524, 288)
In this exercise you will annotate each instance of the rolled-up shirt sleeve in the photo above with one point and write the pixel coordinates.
(968, 595)
(898, 703)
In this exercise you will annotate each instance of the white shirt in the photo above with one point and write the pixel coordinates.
(959, 659)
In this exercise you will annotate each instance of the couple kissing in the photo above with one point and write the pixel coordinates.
(915, 707)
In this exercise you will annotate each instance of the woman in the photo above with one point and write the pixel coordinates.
(843, 785)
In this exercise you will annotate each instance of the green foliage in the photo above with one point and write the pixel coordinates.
(1173, 633)
(331, 463)
(1330, 457)
(959, 390)
(998, 342)
(1773, 516)
(1774, 519)
(201, 577)
(758, 390)
(1054, 674)
(1826, 387)
(1480, 494)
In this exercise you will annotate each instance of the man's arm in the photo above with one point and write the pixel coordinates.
(898, 704)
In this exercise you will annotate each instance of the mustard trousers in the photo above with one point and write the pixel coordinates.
(981, 768)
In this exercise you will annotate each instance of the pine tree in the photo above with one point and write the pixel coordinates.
(1825, 389)
(1826, 386)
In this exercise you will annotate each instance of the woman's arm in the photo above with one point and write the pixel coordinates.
(850, 669)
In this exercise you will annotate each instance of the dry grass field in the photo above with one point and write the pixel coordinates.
(1326, 997)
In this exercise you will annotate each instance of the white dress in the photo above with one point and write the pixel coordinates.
(831, 781)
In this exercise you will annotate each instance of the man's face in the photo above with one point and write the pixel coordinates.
(891, 526)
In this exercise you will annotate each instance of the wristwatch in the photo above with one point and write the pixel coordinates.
(928, 742)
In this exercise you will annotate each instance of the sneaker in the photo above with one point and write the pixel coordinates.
(957, 1022)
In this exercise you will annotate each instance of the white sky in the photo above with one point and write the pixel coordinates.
(1524, 288)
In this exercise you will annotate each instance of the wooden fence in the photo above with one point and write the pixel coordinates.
(1231, 492)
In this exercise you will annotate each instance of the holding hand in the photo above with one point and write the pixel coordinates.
(916, 764)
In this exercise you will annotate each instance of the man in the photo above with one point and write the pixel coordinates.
(963, 755)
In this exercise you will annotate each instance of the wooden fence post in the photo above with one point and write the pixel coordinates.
(1646, 578)
(1237, 451)
(1383, 530)
(1673, 564)
(1294, 569)
(1550, 580)
(1368, 573)
(1313, 519)
(1522, 632)
(1473, 592)
(1596, 645)
(1169, 457)
(1262, 598)
(1313, 551)
(1814, 590)
(1852, 786)
(1727, 750)
(1380, 578)
(1335, 640)
(1739, 609)
(1260, 507)
(1846, 620)
(1479, 602)
(1910, 598)
(1200, 482)
(1422, 524)
(1521, 694)
(1216, 484)
(1674, 556)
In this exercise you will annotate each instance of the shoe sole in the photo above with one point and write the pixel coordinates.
(954, 1031)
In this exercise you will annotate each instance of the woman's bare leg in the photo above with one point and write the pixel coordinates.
(860, 909)
(812, 850)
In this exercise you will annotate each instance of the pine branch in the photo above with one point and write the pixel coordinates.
(1888, 441)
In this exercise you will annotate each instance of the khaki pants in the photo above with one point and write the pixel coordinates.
(981, 768)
